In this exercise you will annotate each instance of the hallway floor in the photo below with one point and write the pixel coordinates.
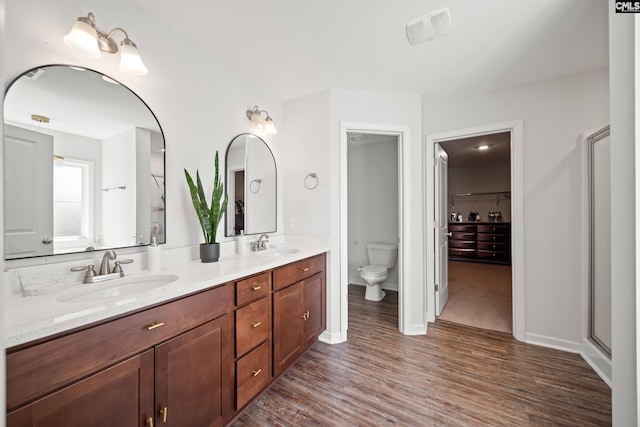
(479, 296)
(454, 376)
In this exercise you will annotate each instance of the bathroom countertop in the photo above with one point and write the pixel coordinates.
(35, 317)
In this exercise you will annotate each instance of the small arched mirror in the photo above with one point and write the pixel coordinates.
(84, 165)
(251, 186)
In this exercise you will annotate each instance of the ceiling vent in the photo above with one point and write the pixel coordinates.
(429, 26)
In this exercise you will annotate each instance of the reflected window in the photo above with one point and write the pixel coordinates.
(71, 205)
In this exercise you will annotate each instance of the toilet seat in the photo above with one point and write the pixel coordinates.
(374, 270)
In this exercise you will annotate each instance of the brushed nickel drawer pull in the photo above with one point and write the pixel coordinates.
(257, 288)
(257, 372)
(154, 325)
(305, 269)
(256, 324)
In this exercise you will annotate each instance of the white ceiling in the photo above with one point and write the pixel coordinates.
(297, 47)
(464, 152)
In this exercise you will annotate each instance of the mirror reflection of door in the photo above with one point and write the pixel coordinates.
(28, 193)
(238, 191)
(600, 239)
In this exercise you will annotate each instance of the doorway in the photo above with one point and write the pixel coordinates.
(432, 210)
(401, 134)
(477, 247)
(373, 217)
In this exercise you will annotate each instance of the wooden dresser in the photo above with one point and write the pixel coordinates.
(480, 241)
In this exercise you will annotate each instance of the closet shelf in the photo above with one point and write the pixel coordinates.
(489, 194)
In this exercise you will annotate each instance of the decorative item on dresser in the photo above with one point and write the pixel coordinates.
(480, 241)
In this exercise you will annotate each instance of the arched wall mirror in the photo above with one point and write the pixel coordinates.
(84, 165)
(251, 186)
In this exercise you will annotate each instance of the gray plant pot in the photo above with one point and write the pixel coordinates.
(209, 252)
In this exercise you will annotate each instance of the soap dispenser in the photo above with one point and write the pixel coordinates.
(241, 243)
(155, 255)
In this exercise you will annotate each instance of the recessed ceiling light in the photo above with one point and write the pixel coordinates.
(483, 147)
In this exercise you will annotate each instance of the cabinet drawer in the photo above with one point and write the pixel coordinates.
(47, 366)
(297, 271)
(496, 229)
(462, 236)
(465, 228)
(252, 325)
(252, 374)
(251, 289)
(500, 238)
(462, 253)
(462, 244)
(498, 256)
(491, 246)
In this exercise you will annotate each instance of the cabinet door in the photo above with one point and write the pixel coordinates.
(118, 396)
(194, 377)
(288, 328)
(313, 299)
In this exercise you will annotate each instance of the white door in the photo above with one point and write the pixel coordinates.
(441, 226)
(28, 183)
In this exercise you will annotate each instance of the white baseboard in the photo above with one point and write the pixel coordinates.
(555, 343)
(599, 361)
(417, 329)
(332, 338)
(385, 285)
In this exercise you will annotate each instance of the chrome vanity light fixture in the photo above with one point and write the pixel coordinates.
(87, 39)
(257, 123)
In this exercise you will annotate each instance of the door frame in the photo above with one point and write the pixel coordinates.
(403, 134)
(515, 128)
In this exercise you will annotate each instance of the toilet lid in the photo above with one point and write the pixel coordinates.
(374, 270)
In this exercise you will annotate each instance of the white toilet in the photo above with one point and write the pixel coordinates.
(382, 257)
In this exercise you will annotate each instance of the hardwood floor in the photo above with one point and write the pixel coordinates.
(454, 376)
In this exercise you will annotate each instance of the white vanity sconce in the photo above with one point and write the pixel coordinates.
(87, 39)
(311, 181)
(257, 123)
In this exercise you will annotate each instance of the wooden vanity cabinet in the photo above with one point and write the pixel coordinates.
(196, 361)
(299, 314)
(133, 371)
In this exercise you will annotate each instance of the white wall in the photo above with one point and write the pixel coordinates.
(373, 203)
(480, 179)
(2, 293)
(318, 211)
(623, 54)
(199, 105)
(555, 113)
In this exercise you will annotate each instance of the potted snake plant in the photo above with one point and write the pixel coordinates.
(209, 216)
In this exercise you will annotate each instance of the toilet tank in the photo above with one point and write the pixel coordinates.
(383, 254)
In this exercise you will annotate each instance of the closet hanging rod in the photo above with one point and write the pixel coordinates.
(489, 194)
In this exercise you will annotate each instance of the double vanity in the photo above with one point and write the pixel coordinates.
(192, 345)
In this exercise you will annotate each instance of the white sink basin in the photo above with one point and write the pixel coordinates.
(278, 251)
(126, 288)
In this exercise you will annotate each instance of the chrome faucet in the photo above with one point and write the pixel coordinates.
(260, 244)
(104, 265)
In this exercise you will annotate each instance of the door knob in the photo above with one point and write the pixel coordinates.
(47, 240)
(449, 234)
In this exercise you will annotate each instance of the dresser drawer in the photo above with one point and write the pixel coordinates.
(252, 325)
(493, 255)
(251, 289)
(462, 244)
(79, 354)
(252, 374)
(297, 271)
(500, 238)
(462, 236)
(462, 253)
(495, 229)
(493, 246)
(465, 228)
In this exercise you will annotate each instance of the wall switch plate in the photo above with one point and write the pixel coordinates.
(289, 223)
